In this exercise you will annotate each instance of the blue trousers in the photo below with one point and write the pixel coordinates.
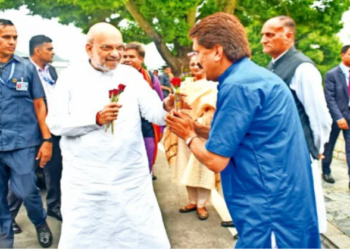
(328, 151)
(53, 173)
(18, 167)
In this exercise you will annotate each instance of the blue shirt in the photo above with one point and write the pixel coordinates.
(18, 122)
(165, 81)
(268, 183)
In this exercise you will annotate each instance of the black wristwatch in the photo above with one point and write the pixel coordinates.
(48, 140)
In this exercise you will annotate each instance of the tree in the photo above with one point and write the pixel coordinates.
(167, 22)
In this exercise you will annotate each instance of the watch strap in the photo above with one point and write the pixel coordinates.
(189, 140)
(48, 140)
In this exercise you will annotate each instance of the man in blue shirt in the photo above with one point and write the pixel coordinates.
(165, 81)
(22, 112)
(255, 141)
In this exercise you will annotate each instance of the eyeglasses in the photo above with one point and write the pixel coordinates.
(109, 48)
(193, 53)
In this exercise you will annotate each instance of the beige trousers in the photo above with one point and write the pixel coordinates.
(198, 195)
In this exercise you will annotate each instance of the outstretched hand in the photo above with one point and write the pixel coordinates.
(181, 124)
(169, 102)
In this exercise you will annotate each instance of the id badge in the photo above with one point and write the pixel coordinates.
(22, 86)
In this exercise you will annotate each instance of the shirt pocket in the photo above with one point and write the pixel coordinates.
(11, 86)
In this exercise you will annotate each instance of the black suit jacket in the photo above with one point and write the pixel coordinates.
(337, 97)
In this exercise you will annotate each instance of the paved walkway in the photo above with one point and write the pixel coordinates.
(337, 197)
(184, 230)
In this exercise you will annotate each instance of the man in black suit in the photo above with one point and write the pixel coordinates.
(41, 54)
(337, 90)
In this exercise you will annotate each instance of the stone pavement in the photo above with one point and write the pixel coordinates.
(184, 230)
(337, 197)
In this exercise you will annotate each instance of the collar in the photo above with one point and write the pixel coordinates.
(280, 56)
(14, 58)
(37, 67)
(344, 68)
(231, 70)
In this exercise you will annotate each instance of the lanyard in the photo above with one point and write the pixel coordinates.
(46, 77)
(11, 74)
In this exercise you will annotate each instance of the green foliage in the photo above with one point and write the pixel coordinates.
(318, 21)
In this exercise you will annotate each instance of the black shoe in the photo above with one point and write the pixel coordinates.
(328, 178)
(154, 177)
(227, 224)
(44, 235)
(56, 213)
(16, 228)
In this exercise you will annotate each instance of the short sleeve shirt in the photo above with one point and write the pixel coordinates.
(19, 126)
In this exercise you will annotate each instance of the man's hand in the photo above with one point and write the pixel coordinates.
(169, 104)
(109, 113)
(167, 89)
(343, 124)
(181, 124)
(321, 157)
(44, 154)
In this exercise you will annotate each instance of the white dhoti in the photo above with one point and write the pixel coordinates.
(320, 204)
(106, 215)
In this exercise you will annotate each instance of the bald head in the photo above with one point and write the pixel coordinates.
(104, 46)
(99, 30)
(283, 21)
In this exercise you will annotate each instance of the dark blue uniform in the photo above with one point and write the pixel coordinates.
(19, 139)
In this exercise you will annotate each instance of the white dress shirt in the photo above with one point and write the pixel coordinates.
(48, 88)
(307, 83)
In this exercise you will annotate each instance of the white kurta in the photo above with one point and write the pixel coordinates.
(307, 83)
(107, 193)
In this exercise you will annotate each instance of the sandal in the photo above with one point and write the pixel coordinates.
(203, 215)
(185, 209)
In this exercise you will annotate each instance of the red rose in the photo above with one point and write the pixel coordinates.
(110, 94)
(176, 82)
(121, 88)
(115, 92)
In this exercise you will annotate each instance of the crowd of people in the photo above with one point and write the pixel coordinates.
(262, 129)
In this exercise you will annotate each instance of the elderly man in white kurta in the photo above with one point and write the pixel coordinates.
(107, 194)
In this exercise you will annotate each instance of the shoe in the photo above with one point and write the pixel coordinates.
(328, 178)
(203, 215)
(184, 209)
(154, 177)
(16, 228)
(227, 224)
(44, 235)
(56, 213)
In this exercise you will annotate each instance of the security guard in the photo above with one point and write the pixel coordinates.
(22, 112)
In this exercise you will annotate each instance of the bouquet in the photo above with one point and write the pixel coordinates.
(114, 95)
(176, 82)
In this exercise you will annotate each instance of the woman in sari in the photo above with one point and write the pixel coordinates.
(187, 170)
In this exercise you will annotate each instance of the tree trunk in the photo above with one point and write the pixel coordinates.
(146, 26)
(229, 6)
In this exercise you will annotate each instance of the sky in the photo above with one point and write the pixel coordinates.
(69, 41)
